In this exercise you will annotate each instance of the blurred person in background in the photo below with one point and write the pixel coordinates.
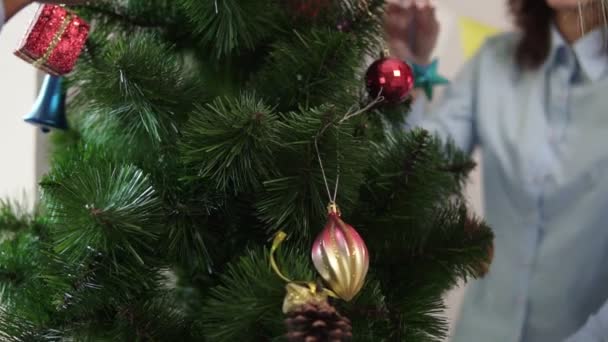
(535, 102)
(9, 8)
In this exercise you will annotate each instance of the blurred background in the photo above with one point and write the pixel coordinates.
(23, 154)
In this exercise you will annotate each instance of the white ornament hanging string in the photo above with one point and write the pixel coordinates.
(352, 112)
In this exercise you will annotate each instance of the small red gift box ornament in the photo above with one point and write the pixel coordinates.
(54, 40)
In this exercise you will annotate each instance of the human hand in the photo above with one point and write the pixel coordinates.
(411, 29)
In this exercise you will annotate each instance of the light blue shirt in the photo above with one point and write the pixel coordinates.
(544, 141)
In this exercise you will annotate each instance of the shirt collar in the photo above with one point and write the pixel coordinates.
(590, 50)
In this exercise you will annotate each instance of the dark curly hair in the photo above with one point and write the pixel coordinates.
(534, 18)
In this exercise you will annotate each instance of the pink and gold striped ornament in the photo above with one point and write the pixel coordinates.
(340, 256)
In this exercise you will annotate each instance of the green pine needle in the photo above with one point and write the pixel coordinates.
(137, 90)
(227, 26)
(18, 268)
(95, 204)
(325, 73)
(230, 142)
(246, 306)
(16, 217)
(296, 199)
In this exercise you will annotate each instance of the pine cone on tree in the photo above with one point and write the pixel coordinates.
(317, 322)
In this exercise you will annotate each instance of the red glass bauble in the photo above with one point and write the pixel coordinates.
(391, 78)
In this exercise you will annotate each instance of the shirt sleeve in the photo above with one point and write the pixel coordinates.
(596, 328)
(454, 119)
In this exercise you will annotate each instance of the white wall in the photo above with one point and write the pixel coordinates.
(492, 12)
(18, 86)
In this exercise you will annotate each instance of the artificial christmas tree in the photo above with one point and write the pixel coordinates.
(198, 130)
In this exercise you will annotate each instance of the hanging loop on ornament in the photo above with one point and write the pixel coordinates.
(351, 113)
(276, 242)
(332, 208)
(279, 238)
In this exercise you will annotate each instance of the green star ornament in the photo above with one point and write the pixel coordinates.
(427, 77)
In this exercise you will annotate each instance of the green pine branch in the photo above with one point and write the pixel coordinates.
(15, 217)
(406, 185)
(231, 142)
(246, 305)
(135, 92)
(296, 199)
(324, 74)
(226, 27)
(97, 204)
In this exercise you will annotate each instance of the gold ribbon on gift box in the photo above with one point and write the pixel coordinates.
(55, 41)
